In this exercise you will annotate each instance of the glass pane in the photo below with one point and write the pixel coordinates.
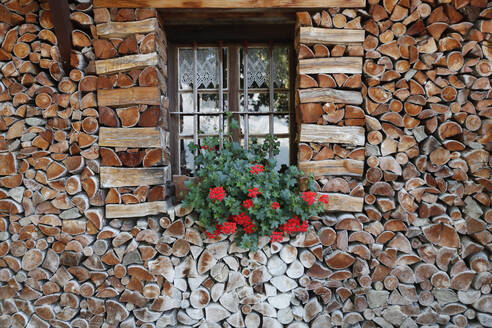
(209, 124)
(207, 68)
(257, 102)
(281, 124)
(283, 156)
(186, 157)
(281, 102)
(281, 67)
(258, 124)
(185, 102)
(225, 68)
(258, 67)
(186, 125)
(208, 103)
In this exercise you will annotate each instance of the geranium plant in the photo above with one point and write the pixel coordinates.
(240, 191)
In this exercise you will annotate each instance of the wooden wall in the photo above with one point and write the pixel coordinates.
(394, 105)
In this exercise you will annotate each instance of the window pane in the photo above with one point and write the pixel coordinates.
(185, 102)
(209, 124)
(207, 68)
(185, 68)
(186, 125)
(186, 157)
(208, 103)
(281, 124)
(258, 124)
(281, 67)
(258, 67)
(257, 102)
(283, 156)
(281, 102)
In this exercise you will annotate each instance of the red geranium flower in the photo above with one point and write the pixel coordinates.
(294, 225)
(303, 227)
(323, 199)
(276, 236)
(217, 194)
(241, 219)
(248, 203)
(216, 232)
(253, 192)
(209, 148)
(228, 228)
(275, 205)
(249, 228)
(256, 169)
(309, 197)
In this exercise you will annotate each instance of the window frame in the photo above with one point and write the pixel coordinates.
(234, 92)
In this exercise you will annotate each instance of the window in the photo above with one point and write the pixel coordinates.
(212, 81)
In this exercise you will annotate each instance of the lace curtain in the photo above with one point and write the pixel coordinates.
(207, 68)
(259, 67)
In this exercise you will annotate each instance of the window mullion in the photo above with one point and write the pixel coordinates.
(234, 88)
(195, 97)
(272, 78)
(246, 108)
(221, 98)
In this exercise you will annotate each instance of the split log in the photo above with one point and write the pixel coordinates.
(130, 137)
(313, 35)
(330, 95)
(122, 177)
(351, 135)
(126, 63)
(333, 167)
(136, 210)
(130, 96)
(123, 29)
(351, 65)
(341, 202)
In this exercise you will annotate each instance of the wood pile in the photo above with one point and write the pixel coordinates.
(394, 121)
(331, 122)
(425, 106)
(130, 63)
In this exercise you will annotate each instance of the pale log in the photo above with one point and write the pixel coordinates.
(126, 63)
(129, 96)
(123, 29)
(130, 177)
(227, 4)
(330, 95)
(342, 202)
(350, 65)
(135, 210)
(130, 137)
(333, 167)
(353, 135)
(313, 35)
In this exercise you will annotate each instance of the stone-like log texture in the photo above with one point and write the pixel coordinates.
(414, 252)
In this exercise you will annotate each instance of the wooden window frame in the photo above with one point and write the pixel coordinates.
(234, 93)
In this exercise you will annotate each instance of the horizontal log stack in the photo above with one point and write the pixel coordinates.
(131, 69)
(331, 121)
(394, 123)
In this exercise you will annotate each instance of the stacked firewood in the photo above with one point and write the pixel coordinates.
(395, 123)
(329, 46)
(130, 63)
(423, 238)
(428, 107)
(50, 200)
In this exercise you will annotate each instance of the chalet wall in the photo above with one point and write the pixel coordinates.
(72, 146)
